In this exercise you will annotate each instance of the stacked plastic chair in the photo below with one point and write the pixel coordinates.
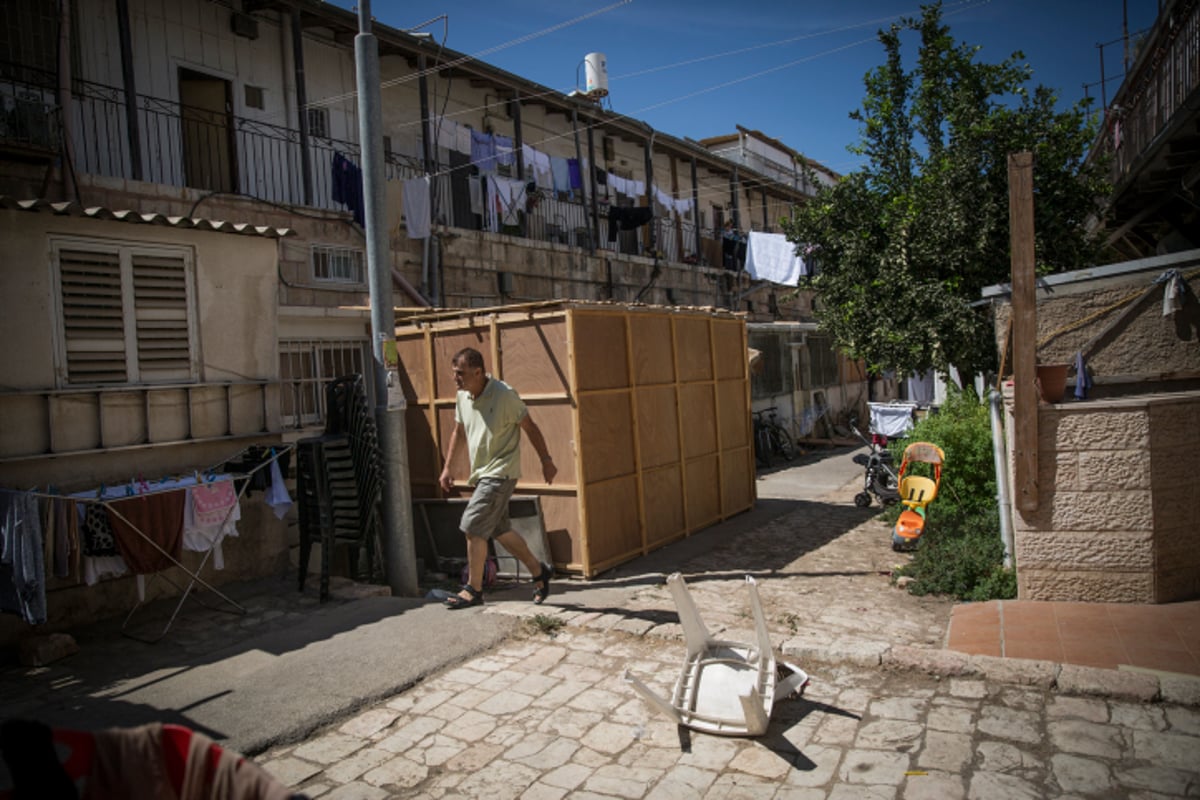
(339, 481)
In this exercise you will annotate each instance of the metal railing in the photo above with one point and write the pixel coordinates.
(1166, 73)
(181, 145)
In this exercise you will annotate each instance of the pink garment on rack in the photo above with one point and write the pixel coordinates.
(159, 517)
(212, 502)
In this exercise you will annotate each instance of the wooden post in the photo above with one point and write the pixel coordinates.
(1024, 330)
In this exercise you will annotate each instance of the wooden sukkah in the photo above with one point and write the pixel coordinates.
(645, 410)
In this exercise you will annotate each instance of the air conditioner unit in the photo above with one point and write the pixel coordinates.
(244, 25)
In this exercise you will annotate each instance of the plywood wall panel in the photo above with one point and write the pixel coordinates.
(414, 368)
(600, 350)
(658, 426)
(737, 485)
(606, 436)
(703, 497)
(560, 513)
(733, 414)
(460, 464)
(662, 493)
(557, 423)
(533, 356)
(424, 462)
(612, 520)
(693, 349)
(653, 362)
(698, 408)
(730, 348)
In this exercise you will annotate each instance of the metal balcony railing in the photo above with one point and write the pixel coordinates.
(1166, 73)
(186, 146)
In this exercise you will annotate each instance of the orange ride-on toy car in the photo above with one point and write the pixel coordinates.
(916, 493)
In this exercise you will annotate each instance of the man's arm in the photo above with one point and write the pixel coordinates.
(539, 444)
(446, 481)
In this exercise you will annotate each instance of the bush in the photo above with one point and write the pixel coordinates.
(961, 553)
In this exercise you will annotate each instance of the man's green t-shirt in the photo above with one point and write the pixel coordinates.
(493, 425)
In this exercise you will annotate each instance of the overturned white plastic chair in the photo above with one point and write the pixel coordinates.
(724, 687)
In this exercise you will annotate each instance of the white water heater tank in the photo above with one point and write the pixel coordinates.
(596, 72)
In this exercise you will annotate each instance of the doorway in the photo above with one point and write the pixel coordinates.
(206, 121)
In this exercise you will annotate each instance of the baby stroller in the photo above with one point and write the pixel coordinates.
(879, 477)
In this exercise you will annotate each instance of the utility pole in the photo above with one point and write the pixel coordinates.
(399, 546)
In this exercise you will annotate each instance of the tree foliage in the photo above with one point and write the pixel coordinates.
(904, 245)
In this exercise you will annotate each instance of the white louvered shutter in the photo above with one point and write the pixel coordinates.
(93, 317)
(161, 312)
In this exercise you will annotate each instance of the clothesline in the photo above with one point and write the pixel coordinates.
(22, 556)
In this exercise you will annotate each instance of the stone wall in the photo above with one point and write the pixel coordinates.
(1115, 522)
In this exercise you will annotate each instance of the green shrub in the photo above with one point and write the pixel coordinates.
(961, 553)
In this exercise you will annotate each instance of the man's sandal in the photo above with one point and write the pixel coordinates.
(456, 601)
(543, 584)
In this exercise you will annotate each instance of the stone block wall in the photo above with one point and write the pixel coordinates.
(1114, 521)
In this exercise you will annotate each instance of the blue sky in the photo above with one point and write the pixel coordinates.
(793, 69)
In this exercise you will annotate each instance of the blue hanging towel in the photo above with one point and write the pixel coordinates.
(1083, 381)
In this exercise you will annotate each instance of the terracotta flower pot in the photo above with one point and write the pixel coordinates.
(1052, 381)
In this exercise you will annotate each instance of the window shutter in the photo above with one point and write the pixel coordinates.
(93, 320)
(161, 313)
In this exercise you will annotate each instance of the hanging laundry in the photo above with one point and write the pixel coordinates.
(61, 532)
(506, 199)
(627, 219)
(277, 496)
(98, 539)
(445, 133)
(462, 139)
(560, 174)
(618, 184)
(575, 178)
(771, 257)
(417, 215)
(212, 502)
(475, 190)
(159, 517)
(540, 163)
(1083, 380)
(22, 569)
(483, 151)
(348, 187)
(601, 176)
(504, 150)
(199, 538)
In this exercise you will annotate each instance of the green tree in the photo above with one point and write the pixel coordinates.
(905, 244)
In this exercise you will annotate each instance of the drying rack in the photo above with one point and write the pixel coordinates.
(193, 574)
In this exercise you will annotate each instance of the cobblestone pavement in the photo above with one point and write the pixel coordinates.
(888, 714)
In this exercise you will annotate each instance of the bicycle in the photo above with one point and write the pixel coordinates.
(771, 438)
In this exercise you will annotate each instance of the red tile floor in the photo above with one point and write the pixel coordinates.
(1110, 635)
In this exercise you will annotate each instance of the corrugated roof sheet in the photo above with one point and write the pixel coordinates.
(71, 209)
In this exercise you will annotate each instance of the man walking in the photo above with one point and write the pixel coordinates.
(490, 416)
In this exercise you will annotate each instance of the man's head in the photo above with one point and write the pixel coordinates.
(467, 366)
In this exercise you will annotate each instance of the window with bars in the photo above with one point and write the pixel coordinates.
(318, 122)
(823, 360)
(337, 264)
(125, 314)
(775, 376)
(306, 365)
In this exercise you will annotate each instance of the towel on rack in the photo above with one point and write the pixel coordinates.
(22, 570)
(159, 518)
